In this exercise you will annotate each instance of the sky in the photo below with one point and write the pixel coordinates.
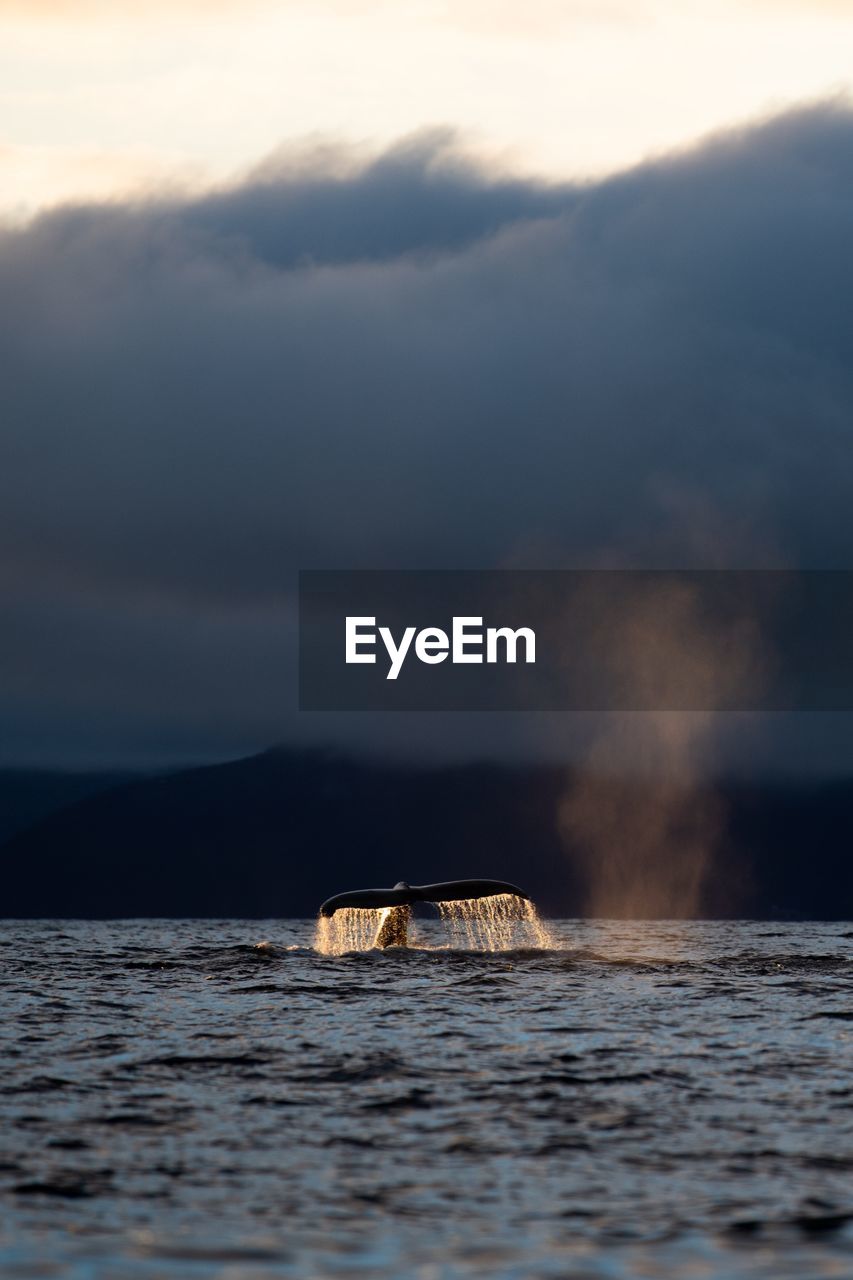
(103, 97)
(364, 285)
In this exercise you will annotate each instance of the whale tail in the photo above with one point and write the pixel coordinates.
(406, 895)
(394, 929)
(479, 915)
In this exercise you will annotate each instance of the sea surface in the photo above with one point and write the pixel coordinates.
(215, 1099)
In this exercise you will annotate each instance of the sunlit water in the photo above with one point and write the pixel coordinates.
(498, 922)
(659, 1100)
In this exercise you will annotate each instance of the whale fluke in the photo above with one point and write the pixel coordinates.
(405, 895)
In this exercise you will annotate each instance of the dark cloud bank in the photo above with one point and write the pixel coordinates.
(408, 363)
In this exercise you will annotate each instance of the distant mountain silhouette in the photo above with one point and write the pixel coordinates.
(27, 795)
(275, 834)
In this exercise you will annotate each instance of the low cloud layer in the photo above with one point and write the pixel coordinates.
(410, 362)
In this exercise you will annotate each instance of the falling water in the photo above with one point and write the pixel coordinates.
(349, 929)
(501, 922)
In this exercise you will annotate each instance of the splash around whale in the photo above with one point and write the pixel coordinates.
(484, 915)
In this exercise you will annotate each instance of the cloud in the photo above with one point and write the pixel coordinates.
(497, 17)
(502, 16)
(123, 10)
(843, 8)
(408, 361)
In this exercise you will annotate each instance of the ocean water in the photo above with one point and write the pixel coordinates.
(655, 1100)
